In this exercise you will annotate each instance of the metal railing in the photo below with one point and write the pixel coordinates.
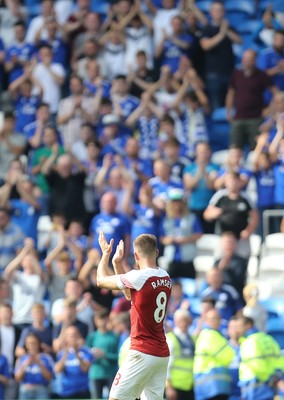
(267, 214)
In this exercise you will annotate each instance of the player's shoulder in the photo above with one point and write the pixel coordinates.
(139, 277)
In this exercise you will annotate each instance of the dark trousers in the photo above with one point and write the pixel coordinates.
(180, 269)
(79, 395)
(185, 395)
(216, 86)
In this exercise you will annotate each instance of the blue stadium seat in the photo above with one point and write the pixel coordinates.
(100, 7)
(275, 328)
(274, 307)
(245, 30)
(195, 307)
(219, 130)
(188, 286)
(204, 6)
(239, 11)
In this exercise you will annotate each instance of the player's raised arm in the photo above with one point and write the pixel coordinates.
(118, 266)
(104, 280)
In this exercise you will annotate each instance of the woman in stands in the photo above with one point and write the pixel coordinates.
(34, 370)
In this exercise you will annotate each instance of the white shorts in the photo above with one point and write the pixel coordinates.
(140, 373)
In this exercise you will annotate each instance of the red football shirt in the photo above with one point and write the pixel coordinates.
(150, 293)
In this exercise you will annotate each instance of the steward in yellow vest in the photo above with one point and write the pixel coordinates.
(179, 384)
(262, 364)
(213, 355)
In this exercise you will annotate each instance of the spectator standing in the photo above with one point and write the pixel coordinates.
(213, 356)
(73, 111)
(25, 101)
(52, 77)
(199, 322)
(162, 18)
(19, 54)
(234, 211)
(179, 383)
(50, 150)
(198, 178)
(258, 379)
(12, 144)
(92, 24)
(123, 102)
(11, 239)
(38, 328)
(27, 209)
(245, 95)
(113, 224)
(232, 266)
(9, 336)
(56, 38)
(173, 46)
(34, 130)
(228, 301)
(234, 162)
(68, 319)
(142, 76)
(179, 232)
(263, 35)
(145, 216)
(66, 185)
(113, 54)
(47, 11)
(145, 118)
(192, 107)
(271, 60)
(276, 152)
(59, 268)
(28, 285)
(85, 307)
(103, 343)
(263, 170)
(73, 362)
(217, 43)
(34, 370)
(234, 338)
(138, 29)
(162, 183)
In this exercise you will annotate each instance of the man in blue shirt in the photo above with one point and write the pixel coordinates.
(25, 101)
(19, 54)
(171, 48)
(123, 102)
(228, 301)
(11, 239)
(113, 224)
(271, 60)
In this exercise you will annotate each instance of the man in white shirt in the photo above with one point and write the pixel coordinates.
(9, 336)
(51, 75)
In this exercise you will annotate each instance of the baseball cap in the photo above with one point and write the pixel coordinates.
(110, 119)
(176, 194)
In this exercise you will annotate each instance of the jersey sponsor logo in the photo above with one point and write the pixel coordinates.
(242, 206)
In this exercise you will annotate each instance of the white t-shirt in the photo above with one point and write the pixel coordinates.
(162, 21)
(136, 40)
(8, 343)
(27, 290)
(51, 89)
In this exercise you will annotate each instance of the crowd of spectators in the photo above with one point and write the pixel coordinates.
(106, 126)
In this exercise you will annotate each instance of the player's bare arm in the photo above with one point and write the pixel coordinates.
(104, 279)
(118, 266)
